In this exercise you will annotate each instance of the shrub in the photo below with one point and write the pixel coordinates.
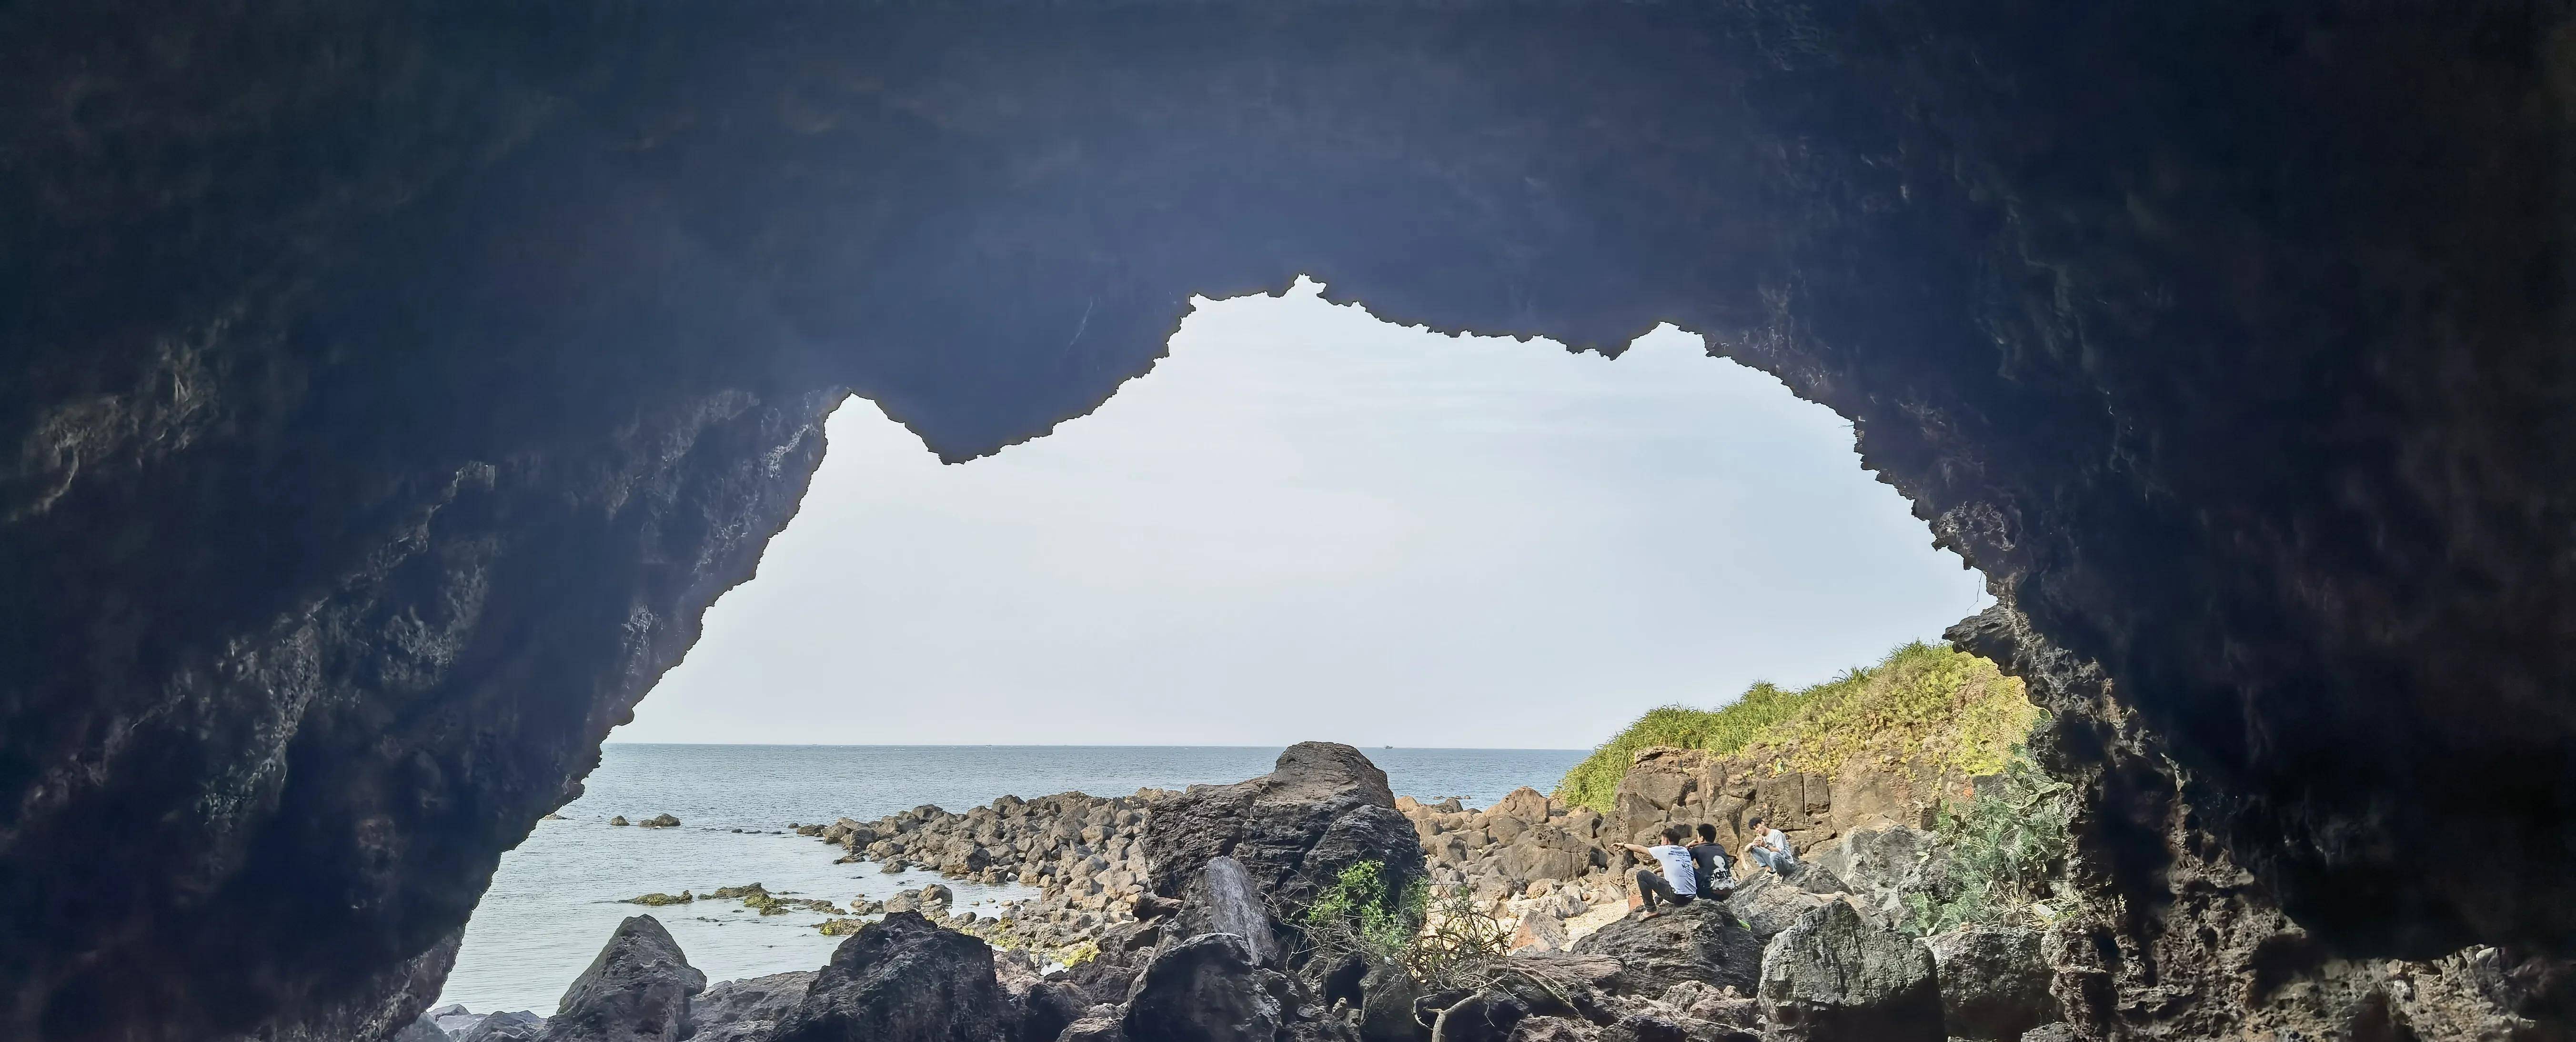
(1441, 943)
(2004, 852)
(1923, 705)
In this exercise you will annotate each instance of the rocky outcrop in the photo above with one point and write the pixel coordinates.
(1833, 977)
(1224, 899)
(2174, 940)
(1323, 808)
(1084, 855)
(1878, 867)
(376, 430)
(520, 1026)
(636, 990)
(1209, 988)
(1700, 941)
(902, 980)
(746, 1010)
(1994, 982)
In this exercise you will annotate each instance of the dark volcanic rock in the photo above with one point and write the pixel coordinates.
(1836, 978)
(746, 1010)
(1210, 988)
(636, 990)
(902, 980)
(1699, 941)
(374, 428)
(518, 1026)
(1223, 899)
(1323, 808)
(1994, 982)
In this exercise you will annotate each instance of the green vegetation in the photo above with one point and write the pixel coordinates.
(1924, 705)
(2003, 852)
(1360, 911)
(1440, 942)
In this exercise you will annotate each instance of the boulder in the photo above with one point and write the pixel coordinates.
(636, 990)
(521, 1026)
(1877, 866)
(618, 820)
(1094, 1029)
(1547, 852)
(1223, 899)
(746, 1010)
(1994, 982)
(1387, 995)
(1525, 804)
(1322, 809)
(1767, 905)
(902, 980)
(1700, 941)
(422, 1029)
(660, 821)
(1833, 977)
(1209, 988)
(2056, 1032)
(1539, 932)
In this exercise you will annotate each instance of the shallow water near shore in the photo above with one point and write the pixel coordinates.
(556, 898)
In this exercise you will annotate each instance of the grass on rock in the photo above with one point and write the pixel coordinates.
(1924, 705)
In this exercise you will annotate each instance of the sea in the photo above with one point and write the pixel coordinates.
(557, 897)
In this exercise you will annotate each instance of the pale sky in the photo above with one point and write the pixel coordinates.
(1310, 524)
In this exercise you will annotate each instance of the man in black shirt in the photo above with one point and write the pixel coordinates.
(1708, 860)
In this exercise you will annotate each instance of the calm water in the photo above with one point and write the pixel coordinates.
(555, 899)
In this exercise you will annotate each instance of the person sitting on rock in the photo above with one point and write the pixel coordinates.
(1708, 861)
(1678, 885)
(1769, 849)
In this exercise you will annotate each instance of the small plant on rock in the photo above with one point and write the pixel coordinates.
(2005, 851)
(1442, 942)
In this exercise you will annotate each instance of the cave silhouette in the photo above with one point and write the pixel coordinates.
(393, 385)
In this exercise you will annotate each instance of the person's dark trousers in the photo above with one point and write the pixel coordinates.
(1651, 885)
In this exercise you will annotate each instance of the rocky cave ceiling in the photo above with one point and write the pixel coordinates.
(388, 387)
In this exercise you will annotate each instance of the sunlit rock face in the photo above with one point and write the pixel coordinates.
(387, 389)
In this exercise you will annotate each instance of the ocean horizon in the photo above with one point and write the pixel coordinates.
(557, 896)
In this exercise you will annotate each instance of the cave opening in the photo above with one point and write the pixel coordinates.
(1306, 523)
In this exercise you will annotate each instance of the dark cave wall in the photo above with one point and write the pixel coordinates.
(393, 385)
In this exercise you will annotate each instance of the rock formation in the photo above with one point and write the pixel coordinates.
(1324, 808)
(1700, 941)
(1994, 982)
(1834, 977)
(380, 420)
(637, 990)
(901, 980)
(746, 1010)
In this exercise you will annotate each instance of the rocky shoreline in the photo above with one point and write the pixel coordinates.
(1182, 917)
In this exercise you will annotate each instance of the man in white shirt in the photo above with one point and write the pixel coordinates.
(1677, 885)
(1769, 849)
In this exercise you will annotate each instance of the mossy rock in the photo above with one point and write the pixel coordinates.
(662, 899)
(619, 820)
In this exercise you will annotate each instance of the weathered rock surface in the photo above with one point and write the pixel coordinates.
(1700, 941)
(1224, 899)
(377, 429)
(902, 980)
(1994, 982)
(518, 1026)
(1835, 978)
(1209, 988)
(1767, 905)
(1323, 808)
(636, 990)
(746, 1010)
(1876, 865)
